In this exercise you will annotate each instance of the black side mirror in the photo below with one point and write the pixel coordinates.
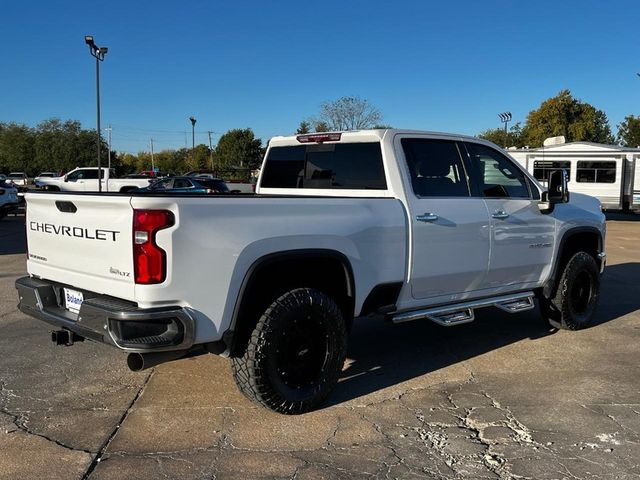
(558, 189)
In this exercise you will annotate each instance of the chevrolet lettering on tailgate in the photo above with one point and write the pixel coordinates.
(79, 232)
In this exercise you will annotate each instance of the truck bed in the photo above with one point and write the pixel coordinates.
(211, 246)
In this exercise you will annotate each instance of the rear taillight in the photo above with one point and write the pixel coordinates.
(149, 260)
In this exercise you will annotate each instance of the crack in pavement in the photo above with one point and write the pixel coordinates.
(20, 421)
(98, 457)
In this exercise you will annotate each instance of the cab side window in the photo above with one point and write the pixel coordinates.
(162, 184)
(495, 175)
(90, 174)
(75, 176)
(436, 168)
(182, 183)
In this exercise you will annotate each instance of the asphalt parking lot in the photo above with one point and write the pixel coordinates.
(502, 397)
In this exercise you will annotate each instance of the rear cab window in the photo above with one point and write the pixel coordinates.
(334, 166)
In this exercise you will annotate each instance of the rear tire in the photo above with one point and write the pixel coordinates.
(295, 353)
(573, 302)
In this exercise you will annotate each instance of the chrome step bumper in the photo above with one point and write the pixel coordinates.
(108, 320)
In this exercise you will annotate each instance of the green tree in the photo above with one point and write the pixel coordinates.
(16, 148)
(304, 127)
(199, 158)
(128, 164)
(321, 127)
(629, 131)
(348, 113)
(568, 116)
(513, 138)
(66, 145)
(238, 148)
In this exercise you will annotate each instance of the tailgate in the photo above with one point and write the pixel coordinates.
(82, 240)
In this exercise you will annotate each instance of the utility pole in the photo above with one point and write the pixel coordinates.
(152, 162)
(210, 149)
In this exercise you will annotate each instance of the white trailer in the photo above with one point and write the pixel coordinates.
(610, 173)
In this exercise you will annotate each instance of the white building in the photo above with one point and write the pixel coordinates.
(610, 173)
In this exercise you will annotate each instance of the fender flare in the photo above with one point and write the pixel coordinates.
(550, 284)
(228, 337)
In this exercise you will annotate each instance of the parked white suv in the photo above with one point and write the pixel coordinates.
(411, 225)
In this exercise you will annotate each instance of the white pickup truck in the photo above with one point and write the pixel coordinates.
(411, 225)
(85, 179)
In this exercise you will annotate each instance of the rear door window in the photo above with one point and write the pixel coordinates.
(435, 167)
(356, 166)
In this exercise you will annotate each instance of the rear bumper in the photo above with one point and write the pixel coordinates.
(108, 320)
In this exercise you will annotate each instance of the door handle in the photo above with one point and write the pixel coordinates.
(500, 214)
(427, 217)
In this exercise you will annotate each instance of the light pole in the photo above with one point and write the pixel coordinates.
(98, 53)
(193, 137)
(505, 117)
(210, 149)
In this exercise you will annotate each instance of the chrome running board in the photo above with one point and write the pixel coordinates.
(460, 313)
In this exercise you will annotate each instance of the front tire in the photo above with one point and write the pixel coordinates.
(295, 353)
(575, 298)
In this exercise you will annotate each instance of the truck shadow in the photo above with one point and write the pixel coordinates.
(12, 235)
(383, 354)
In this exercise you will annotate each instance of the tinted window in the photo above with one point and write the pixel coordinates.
(181, 183)
(162, 184)
(495, 174)
(596, 172)
(435, 167)
(349, 165)
(542, 169)
(90, 174)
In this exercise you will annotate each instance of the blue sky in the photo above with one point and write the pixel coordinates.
(445, 66)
